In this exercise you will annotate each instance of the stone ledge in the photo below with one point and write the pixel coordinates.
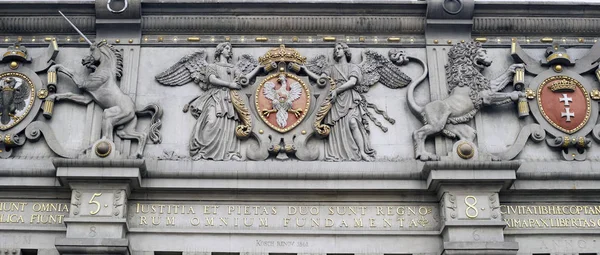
(92, 246)
(480, 248)
(463, 172)
(128, 170)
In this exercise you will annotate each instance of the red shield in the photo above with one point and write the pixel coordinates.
(564, 103)
(282, 101)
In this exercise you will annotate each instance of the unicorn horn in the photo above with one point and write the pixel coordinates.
(80, 33)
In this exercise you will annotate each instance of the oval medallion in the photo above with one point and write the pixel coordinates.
(282, 101)
(17, 95)
(564, 103)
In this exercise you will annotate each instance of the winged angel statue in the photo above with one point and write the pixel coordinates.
(219, 109)
(349, 114)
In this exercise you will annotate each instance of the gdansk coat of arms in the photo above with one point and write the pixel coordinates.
(560, 100)
(564, 103)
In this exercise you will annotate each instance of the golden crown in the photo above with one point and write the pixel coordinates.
(563, 85)
(17, 52)
(282, 54)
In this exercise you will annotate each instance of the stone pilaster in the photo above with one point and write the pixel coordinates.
(97, 221)
(469, 205)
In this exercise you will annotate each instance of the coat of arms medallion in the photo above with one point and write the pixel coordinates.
(22, 93)
(560, 100)
(283, 100)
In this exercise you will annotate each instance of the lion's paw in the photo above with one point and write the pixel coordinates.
(426, 156)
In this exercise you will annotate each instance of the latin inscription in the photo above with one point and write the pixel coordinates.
(293, 217)
(551, 216)
(33, 213)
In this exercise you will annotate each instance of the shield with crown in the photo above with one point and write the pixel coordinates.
(22, 92)
(564, 102)
(561, 101)
(289, 104)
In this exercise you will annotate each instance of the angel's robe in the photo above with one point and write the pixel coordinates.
(213, 136)
(342, 143)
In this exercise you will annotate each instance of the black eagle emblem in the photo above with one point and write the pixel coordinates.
(12, 98)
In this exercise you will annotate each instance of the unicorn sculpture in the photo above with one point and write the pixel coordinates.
(101, 87)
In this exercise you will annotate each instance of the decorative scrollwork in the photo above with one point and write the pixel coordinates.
(36, 129)
(241, 131)
(322, 129)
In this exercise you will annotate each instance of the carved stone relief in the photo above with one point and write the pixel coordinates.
(101, 87)
(560, 100)
(219, 110)
(291, 101)
(468, 91)
(21, 93)
(349, 113)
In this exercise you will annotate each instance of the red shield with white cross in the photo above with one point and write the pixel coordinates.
(564, 103)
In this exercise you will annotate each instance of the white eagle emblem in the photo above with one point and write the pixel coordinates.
(282, 99)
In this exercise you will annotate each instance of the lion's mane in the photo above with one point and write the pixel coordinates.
(461, 71)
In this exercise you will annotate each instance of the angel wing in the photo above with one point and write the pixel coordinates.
(246, 63)
(269, 91)
(187, 69)
(377, 68)
(317, 64)
(21, 93)
(295, 91)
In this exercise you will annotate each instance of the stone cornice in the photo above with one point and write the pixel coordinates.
(536, 25)
(303, 17)
(282, 24)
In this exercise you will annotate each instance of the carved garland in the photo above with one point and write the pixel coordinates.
(323, 129)
(241, 131)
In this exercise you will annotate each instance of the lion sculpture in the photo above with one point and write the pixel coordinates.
(468, 90)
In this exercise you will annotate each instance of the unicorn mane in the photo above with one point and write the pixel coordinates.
(118, 57)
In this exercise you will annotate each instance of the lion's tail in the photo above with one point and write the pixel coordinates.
(415, 108)
(156, 112)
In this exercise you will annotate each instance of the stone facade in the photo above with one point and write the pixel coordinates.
(299, 127)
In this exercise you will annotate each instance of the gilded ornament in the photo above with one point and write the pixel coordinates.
(103, 149)
(42, 93)
(465, 150)
(595, 94)
(282, 54)
(558, 68)
(529, 93)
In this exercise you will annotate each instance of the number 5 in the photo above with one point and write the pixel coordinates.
(96, 203)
